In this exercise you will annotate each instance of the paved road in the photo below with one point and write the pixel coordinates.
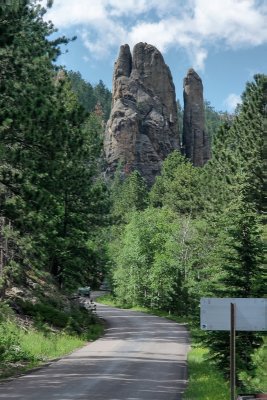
(141, 357)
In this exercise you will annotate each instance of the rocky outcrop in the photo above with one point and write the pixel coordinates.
(196, 145)
(142, 129)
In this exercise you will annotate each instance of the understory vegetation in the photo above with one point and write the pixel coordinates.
(197, 232)
(42, 333)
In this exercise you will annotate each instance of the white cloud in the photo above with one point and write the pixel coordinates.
(194, 25)
(96, 45)
(232, 101)
(236, 22)
(159, 33)
(119, 8)
(66, 13)
(86, 59)
(199, 58)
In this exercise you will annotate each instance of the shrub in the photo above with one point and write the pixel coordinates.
(10, 349)
(45, 313)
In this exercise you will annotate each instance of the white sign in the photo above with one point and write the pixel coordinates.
(251, 314)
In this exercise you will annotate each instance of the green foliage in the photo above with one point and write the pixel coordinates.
(21, 349)
(162, 261)
(76, 320)
(10, 348)
(242, 275)
(235, 192)
(258, 381)
(127, 195)
(42, 346)
(6, 313)
(45, 313)
(178, 186)
(51, 333)
(136, 281)
(238, 149)
(242, 258)
(205, 382)
(103, 96)
(91, 96)
(50, 151)
(84, 91)
(214, 120)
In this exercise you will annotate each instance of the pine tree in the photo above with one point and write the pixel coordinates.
(103, 97)
(27, 115)
(90, 96)
(235, 177)
(178, 186)
(50, 150)
(238, 147)
(83, 90)
(242, 275)
(128, 196)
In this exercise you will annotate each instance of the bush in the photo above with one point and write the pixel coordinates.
(10, 349)
(5, 312)
(45, 313)
(76, 322)
(256, 380)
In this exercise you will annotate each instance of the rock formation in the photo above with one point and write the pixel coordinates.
(142, 129)
(195, 141)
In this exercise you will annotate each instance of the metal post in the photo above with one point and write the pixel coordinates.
(232, 349)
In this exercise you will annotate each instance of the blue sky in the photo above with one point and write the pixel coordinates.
(225, 41)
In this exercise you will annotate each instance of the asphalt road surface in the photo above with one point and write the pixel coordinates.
(140, 357)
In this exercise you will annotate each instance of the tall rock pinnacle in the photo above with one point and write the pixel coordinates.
(195, 140)
(142, 129)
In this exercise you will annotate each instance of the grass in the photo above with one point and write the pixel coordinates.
(43, 347)
(107, 299)
(23, 348)
(33, 348)
(205, 382)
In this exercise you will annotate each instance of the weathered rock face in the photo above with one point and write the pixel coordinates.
(195, 140)
(142, 129)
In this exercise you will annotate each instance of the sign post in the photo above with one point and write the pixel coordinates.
(233, 314)
(232, 350)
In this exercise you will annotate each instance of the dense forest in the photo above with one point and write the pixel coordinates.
(197, 232)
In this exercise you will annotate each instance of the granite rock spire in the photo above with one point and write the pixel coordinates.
(142, 129)
(196, 144)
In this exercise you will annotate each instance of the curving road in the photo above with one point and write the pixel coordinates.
(140, 357)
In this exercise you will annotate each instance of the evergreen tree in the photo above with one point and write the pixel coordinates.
(50, 151)
(28, 109)
(238, 148)
(83, 90)
(90, 96)
(236, 181)
(127, 196)
(103, 97)
(214, 120)
(242, 275)
(178, 186)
